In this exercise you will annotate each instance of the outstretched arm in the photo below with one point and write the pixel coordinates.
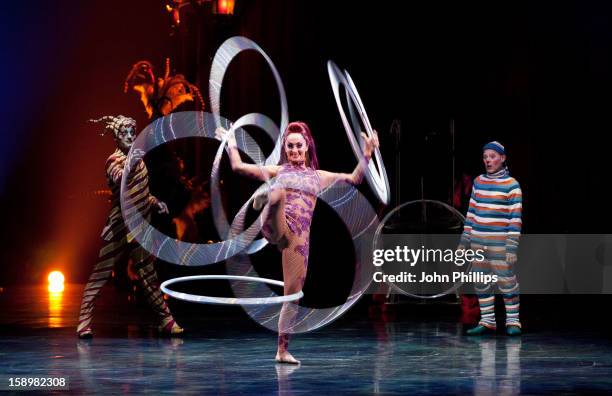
(115, 167)
(258, 172)
(354, 178)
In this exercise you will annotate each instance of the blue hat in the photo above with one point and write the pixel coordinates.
(495, 146)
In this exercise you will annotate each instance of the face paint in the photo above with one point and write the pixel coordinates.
(123, 129)
(125, 137)
(493, 161)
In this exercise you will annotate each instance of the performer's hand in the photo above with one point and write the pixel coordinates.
(138, 153)
(371, 143)
(511, 258)
(221, 132)
(136, 157)
(162, 208)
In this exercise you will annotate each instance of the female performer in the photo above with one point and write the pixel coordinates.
(291, 203)
(493, 224)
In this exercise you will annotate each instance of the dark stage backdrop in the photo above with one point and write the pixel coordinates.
(533, 76)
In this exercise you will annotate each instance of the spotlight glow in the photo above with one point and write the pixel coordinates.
(56, 282)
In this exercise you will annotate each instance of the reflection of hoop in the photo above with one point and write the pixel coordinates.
(376, 174)
(383, 223)
(229, 300)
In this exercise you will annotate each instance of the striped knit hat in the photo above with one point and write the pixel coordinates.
(495, 146)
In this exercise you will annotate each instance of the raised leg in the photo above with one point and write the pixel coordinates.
(275, 229)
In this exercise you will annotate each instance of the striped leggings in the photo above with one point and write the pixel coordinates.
(495, 262)
(112, 253)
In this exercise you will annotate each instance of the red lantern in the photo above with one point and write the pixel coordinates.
(224, 7)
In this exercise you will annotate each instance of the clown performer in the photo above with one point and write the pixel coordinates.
(119, 244)
(291, 203)
(493, 224)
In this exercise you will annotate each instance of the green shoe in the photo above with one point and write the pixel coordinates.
(480, 330)
(513, 330)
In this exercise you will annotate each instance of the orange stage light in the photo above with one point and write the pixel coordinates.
(56, 282)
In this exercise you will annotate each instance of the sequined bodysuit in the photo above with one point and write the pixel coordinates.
(301, 185)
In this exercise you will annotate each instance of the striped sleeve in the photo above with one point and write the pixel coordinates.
(467, 227)
(515, 208)
(114, 168)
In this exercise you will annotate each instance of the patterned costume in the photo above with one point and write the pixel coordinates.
(301, 185)
(493, 224)
(290, 206)
(119, 244)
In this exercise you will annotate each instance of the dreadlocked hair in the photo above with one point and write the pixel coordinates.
(113, 123)
(140, 71)
(155, 102)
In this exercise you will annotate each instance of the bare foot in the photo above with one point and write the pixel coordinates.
(286, 357)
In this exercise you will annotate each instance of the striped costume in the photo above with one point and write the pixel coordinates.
(120, 245)
(493, 223)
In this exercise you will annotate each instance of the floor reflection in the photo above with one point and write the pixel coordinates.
(500, 366)
(283, 371)
(56, 317)
(229, 355)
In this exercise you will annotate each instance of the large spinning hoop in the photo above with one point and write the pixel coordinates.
(349, 204)
(246, 144)
(221, 61)
(172, 127)
(223, 57)
(376, 174)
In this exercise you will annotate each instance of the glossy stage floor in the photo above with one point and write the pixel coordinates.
(228, 354)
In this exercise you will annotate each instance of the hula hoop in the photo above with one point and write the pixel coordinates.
(376, 175)
(229, 300)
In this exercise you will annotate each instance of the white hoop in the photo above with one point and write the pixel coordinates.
(376, 173)
(229, 300)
